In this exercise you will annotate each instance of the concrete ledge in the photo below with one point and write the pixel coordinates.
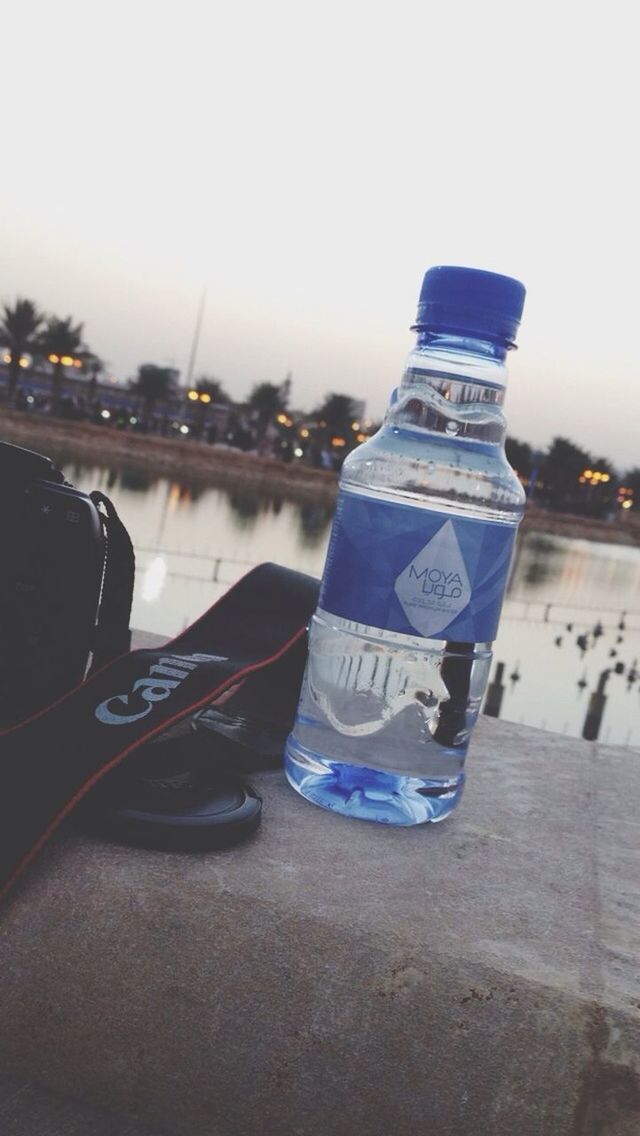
(29, 1110)
(332, 977)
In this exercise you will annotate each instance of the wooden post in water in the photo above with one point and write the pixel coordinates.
(595, 709)
(495, 693)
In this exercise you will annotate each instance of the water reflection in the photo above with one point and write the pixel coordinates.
(135, 480)
(537, 572)
(535, 560)
(245, 506)
(314, 522)
(572, 612)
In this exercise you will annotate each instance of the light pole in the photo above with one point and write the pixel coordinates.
(196, 338)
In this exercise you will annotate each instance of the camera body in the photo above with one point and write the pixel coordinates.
(52, 569)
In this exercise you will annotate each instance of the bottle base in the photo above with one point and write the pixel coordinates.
(369, 794)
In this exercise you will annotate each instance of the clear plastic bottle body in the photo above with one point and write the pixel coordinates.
(385, 716)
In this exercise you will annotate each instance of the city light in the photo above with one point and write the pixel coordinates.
(355, 425)
(304, 433)
(594, 476)
(338, 442)
(23, 361)
(284, 420)
(105, 414)
(65, 360)
(184, 429)
(133, 420)
(204, 397)
(625, 497)
(298, 453)
(193, 395)
(361, 437)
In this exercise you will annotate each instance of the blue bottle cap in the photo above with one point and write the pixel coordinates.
(469, 301)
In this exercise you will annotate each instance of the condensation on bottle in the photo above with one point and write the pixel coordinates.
(417, 566)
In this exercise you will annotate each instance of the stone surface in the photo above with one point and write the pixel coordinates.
(28, 1110)
(330, 976)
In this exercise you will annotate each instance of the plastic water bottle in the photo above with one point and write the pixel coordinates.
(418, 562)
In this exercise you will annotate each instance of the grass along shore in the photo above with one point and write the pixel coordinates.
(68, 442)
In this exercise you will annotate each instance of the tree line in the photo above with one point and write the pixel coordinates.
(564, 476)
(26, 333)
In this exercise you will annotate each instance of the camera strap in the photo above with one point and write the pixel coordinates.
(112, 635)
(50, 761)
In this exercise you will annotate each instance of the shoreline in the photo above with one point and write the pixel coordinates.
(70, 442)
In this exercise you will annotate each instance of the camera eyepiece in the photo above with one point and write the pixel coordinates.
(26, 465)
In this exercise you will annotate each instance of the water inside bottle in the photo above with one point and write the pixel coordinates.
(384, 723)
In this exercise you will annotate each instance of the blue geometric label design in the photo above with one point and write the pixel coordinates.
(412, 570)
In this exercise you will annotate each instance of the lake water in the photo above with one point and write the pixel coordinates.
(192, 544)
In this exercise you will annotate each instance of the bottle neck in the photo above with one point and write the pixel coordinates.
(458, 345)
(453, 385)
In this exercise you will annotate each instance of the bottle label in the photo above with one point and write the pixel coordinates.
(415, 571)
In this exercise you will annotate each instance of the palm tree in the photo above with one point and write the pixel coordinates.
(154, 384)
(213, 387)
(93, 366)
(337, 414)
(519, 456)
(210, 391)
(268, 400)
(59, 341)
(18, 333)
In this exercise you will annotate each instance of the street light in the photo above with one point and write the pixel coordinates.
(65, 360)
(625, 497)
(22, 361)
(594, 476)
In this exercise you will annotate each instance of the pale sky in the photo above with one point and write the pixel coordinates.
(307, 163)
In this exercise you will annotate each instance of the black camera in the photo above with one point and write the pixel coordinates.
(66, 581)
